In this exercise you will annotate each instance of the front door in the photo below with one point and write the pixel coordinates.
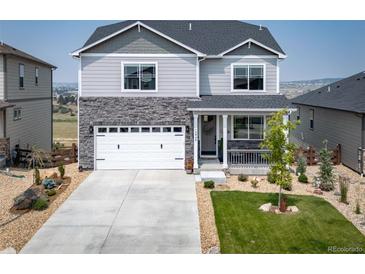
(209, 135)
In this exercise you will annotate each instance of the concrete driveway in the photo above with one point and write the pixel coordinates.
(124, 211)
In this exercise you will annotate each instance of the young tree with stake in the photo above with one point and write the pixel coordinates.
(281, 151)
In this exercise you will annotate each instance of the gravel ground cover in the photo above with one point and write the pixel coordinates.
(18, 232)
(209, 235)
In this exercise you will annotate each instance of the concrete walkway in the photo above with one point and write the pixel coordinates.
(124, 211)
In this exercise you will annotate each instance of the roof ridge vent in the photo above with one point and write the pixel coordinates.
(190, 26)
(329, 89)
(260, 28)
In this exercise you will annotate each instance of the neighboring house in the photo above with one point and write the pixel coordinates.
(335, 113)
(25, 100)
(155, 94)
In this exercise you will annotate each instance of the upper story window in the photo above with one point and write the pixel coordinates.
(247, 77)
(311, 118)
(139, 77)
(36, 76)
(21, 75)
(298, 114)
(248, 127)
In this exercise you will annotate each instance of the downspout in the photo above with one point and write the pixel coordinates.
(51, 109)
(362, 145)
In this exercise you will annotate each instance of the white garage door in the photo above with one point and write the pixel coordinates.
(140, 147)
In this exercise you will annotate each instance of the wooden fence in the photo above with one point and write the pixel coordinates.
(313, 157)
(64, 155)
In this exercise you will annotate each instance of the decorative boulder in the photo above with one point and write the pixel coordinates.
(26, 199)
(265, 207)
(293, 209)
(49, 183)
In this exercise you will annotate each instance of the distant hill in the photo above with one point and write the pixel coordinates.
(295, 88)
(64, 87)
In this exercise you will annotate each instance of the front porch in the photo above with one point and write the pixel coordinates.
(217, 145)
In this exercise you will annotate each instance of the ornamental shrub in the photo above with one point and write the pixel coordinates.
(209, 184)
(303, 178)
(40, 204)
(242, 178)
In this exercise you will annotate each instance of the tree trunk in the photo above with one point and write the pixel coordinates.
(279, 197)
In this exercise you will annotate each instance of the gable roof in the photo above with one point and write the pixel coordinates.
(7, 49)
(347, 94)
(206, 37)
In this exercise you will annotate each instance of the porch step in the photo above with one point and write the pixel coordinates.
(217, 176)
(210, 165)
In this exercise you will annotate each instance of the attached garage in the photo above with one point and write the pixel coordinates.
(139, 147)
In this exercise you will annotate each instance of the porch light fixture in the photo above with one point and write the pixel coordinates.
(205, 118)
(91, 128)
(187, 129)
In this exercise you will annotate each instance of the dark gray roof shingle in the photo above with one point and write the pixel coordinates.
(241, 102)
(347, 94)
(210, 37)
(7, 49)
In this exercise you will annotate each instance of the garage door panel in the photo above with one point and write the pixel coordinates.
(140, 150)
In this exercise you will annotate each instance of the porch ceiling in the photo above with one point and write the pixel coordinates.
(240, 103)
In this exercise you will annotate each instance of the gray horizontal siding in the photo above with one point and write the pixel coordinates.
(34, 128)
(2, 77)
(101, 76)
(215, 75)
(30, 89)
(252, 50)
(132, 41)
(338, 127)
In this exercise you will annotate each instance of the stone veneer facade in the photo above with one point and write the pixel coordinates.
(110, 111)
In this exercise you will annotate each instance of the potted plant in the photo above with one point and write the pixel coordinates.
(189, 165)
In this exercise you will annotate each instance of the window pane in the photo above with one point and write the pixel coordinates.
(134, 129)
(102, 129)
(257, 127)
(148, 77)
(256, 77)
(240, 79)
(145, 129)
(131, 76)
(240, 124)
(166, 129)
(177, 129)
(21, 75)
(156, 129)
(123, 129)
(113, 130)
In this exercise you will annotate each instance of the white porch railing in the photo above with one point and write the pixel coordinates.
(243, 158)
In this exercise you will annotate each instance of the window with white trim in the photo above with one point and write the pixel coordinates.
(21, 76)
(248, 127)
(17, 114)
(36, 76)
(139, 77)
(311, 118)
(247, 77)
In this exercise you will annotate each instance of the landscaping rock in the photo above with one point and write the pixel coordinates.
(49, 183)
(318, 191)
(8, 250)
(265, 207)
(293, 209)
(26, 199)
(214, 250)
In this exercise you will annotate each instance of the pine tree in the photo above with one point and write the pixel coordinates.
(326, 175)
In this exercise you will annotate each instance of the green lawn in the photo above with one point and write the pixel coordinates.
(242, 228)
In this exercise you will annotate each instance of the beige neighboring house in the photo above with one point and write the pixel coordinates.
(25, 101)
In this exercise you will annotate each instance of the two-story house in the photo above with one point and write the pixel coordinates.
(154, 94)
(25, 101)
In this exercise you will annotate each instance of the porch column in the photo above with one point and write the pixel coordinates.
(225, 162)
(195, 136)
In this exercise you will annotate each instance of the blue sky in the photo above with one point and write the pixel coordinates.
(315, 49)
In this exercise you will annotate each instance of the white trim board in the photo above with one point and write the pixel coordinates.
(138, 23)
(250, 40)
(239, 109)
(159, 55)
